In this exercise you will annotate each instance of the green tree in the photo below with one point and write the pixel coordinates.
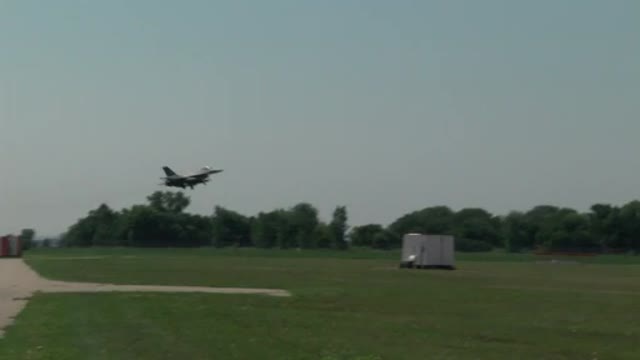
(322, 236)
(541, 219)
(27, 236)
(516, 232)
(267, 227)
(605, 226)
(364, 235)
(97, 228)
(196, 230)
(384, 240)
(230, 228)
(338, 228)
(80, 233)
(432, 220)
(168, 201)
(303, 220)
(144, 227)
(566, 230)
(104, 220)
(630, 225)
(478, 225)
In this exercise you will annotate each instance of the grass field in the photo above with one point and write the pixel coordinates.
(345, 305)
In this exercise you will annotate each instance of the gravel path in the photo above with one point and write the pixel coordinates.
(18, 282)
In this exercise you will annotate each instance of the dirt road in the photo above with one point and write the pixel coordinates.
(18, 282)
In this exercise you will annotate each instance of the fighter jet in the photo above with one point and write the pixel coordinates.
(182, 181)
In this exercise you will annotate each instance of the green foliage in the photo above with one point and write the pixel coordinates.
(296, 227)
(270, 229)
(374, 236)
(27, 236)
(167, 201)
(105, 220)
(164, 222)
(605, 226)
(338, 227)
(471, 245)
(479, 225)
(516, 233)
(161, 223)
(630, 225)
(230, 228)
(364, 235)
(303, 220)
(384, 240)
(323, 236)
(433, 220)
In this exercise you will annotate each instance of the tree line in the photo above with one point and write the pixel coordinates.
(162, 221)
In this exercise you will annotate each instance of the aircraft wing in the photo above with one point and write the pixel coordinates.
(202, 174)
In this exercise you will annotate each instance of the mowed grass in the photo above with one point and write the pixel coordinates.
(346, 305)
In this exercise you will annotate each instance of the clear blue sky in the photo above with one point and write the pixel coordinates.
(383, 106)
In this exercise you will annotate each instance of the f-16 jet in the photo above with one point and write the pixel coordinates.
(182, 181)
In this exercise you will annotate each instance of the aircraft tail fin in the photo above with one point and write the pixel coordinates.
(168, 171)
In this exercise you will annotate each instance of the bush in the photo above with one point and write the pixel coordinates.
(470, 245)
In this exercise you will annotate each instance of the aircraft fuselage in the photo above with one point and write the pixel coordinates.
(183, 181)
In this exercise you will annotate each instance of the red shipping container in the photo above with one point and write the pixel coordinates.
(18, 246)
(4, 246)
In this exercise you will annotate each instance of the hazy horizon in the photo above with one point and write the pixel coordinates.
(384, 107)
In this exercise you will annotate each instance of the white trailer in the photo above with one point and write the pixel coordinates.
(428, 251)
